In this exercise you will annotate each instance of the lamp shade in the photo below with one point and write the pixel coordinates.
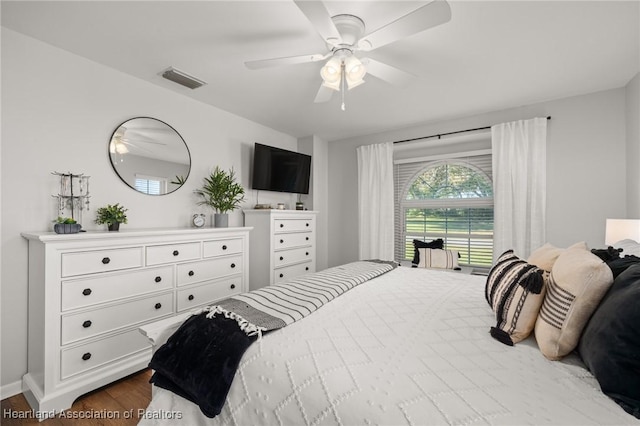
(622, 229)
(354, 69)
(330, 72)
(118, 147)
(335, 85)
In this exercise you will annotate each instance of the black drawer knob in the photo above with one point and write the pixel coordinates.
(307, 224)
(86, 324)
(281, 275)
(306, 268)
(281, 241)
(158, 279)
(307, 253)
(191, 273)
(105, 260)
(233, 265)
(232, 286)
(176, 252)
(281, 258)
(158, 305)
(86, 356)
(190, 297)
(307, 238)
(224, 247)
(86, 291)
(282, 225)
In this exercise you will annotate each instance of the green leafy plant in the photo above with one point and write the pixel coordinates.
(66, 220)
(111, 214)
(179, 180)
(220, 191)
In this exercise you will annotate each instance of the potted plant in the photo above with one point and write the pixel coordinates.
(66, 225)
(222, 193)
(112, 215)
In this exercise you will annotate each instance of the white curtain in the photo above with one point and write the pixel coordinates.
(519, 151)
(375, 201)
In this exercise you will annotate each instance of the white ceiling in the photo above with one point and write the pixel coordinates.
(490, 56)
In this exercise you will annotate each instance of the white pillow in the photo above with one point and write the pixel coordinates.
(628, 247)
(438, 258)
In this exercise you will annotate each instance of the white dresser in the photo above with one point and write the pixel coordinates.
(283, 245)
(89, 293)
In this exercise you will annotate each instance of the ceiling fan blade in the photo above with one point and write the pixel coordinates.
(428, 16)
(137, 147)
(387, 73)
(324, 94)
(287, 60)
(317, 13)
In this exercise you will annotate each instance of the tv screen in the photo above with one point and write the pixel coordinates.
(276, 169)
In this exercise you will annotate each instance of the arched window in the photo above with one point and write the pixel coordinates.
(453, 201)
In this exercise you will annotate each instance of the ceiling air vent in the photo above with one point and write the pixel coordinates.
(182, 78)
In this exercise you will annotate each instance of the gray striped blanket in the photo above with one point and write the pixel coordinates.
(278, 305)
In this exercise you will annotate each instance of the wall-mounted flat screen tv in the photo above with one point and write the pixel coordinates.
(276, 169)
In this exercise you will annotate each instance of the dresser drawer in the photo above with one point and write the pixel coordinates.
(208, 293)
(105, 288)
(287, 241)
(287, 257)
(288, 272)
(90, 262)
(171, 253)
(222, 247)
(93, 322)
(82, 358)
(292, 225)
(189, 273)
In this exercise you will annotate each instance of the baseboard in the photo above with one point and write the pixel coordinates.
(11, 389)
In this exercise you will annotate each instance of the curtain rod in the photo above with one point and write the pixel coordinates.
(449, 133)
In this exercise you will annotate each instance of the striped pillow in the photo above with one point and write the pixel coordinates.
(438, 258)
(578, 282)
(515, 290)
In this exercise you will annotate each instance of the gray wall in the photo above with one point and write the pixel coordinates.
(586, 168)
(633, 148)
(318, 196)
(58, 113)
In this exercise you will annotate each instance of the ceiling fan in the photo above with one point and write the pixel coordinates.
(124, 138)
(345, 35)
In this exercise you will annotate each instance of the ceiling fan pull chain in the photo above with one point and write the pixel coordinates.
(342, 84)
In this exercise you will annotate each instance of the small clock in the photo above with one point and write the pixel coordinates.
(198, 220)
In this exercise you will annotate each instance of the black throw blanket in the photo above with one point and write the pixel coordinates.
(200, 359)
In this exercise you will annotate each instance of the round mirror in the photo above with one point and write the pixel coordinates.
(150, 156)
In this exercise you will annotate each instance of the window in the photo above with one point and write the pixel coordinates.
(452, 200)
(151, 185)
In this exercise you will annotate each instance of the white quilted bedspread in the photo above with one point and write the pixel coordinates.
(410, 347)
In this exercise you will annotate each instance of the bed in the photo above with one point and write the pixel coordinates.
(411, 346)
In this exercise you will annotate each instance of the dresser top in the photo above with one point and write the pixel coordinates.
(135, 233)
(279, 211)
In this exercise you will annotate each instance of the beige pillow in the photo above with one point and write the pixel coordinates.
(545, 256)
(438, 258)
(577, 283)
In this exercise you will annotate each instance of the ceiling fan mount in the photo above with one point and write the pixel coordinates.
(351, 29)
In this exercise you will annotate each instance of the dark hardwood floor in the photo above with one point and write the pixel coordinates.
(118, 403)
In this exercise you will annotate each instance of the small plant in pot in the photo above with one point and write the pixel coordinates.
(112, 216)
(66, 225)
(222, 193)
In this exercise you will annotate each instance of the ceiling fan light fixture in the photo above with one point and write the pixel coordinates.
(118, 147)
(354, 68)
(335, 85)
(330, 72)
(351, 84)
